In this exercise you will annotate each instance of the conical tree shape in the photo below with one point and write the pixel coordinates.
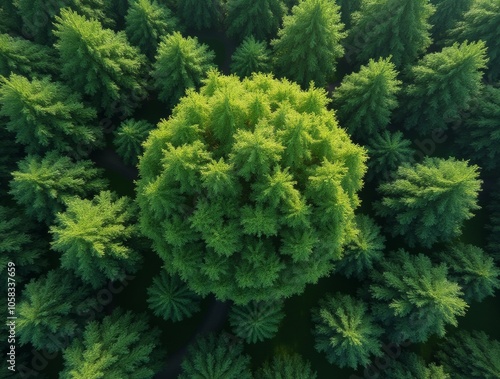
(285, 366)
(442, 85)
(429, 202)
(308, 44)
(129, 138)
(448, 13)
(390, 28)
(251, 56)
(198, 15)
(258, 18)
(364, 100)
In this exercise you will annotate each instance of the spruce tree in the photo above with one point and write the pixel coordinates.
(428, 202)
(442, 86)
(448, 13)
(181, 63)
(51, 311)
(365, 250)
(216, 358)
(473, 269)
(93, 238)
(414, 298)
(200, 15)
(23, 57)
(99, 62)
(364, 101)
(146, 22)
(258, 18)
(256, 321)
(308, 44)
(251, 56)
(388, 151)
(481, 22)
(42, 185)
(248, 191)
(286, 366)
(345, 331)
(471, 355)
(383, 28)
(122, 345)
(411, 366)
(128, 139)
(47, 115)
(171, 299)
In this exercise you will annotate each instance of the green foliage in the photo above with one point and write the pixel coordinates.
(390, 28)
(248, 191)
(99, 62)
(10, 20)
(171, 299)
(415, 298)
(366, 249)
(181, 63)
(20, 56)
(93, 235)
(442, 85)
(365, 99)
(129, 138)
(121, 346)
(347, 8)
(308, 44)
(51, 310)
(198, 15)
(215, 358)
(471, 355)
(494, 225)
(286, 366)
(251, 56)
(345, 331)
(481, 22)
(146, 22)
(47, 115)
(411, 366)
(448, 12)
(42, 185)
(258, 18)
(388, 151)
(256, 321)
(474, 270)
(429, 202)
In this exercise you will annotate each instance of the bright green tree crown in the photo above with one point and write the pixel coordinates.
(249, 189)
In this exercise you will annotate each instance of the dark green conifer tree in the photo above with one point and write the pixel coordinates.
(93, 237)
(129, 138)
(448, 12)
(471, 355)
(494, 224)
(390, 28)
(411, 366)
(428, 202)
(258, 18)
(200, 15)
(171, 299)
(251, 56)
(345, 331)
(181, 63)
(347, 8)
(10, 20)
(308, 44)
(364, 101)
(42, 185)
(286, 366)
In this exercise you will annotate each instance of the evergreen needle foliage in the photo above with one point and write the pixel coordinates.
(494, 225)
(474, 270)
(416, 299)
(256, 321)
(448, 12)
(429, 202)
(171, 299)
(216, 358)
(198, 15)
(129, 138)
(251, 56)
(347, 8)
(92, 236)
(308, 44)
(365, 99)
(471, 355)
(181, 63)
(442, 86)
(121, 346)
(46, 115)
(248, 191)
(286, 366)
(345, 331)
(42, 185)
(411, 366)
(365, 250)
